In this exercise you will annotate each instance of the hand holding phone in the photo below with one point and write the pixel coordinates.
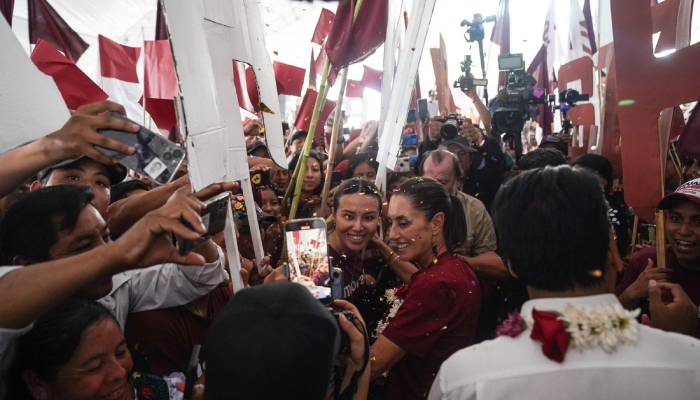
(307, 247)
(214, 221)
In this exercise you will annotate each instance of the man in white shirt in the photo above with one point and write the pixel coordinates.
(554, 229)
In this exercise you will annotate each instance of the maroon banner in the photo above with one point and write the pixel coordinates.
(45, 23)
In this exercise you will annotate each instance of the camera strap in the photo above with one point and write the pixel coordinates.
(350, 391)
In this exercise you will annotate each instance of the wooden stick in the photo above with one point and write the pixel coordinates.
(660, 239)
(634, 235)
(337, 122)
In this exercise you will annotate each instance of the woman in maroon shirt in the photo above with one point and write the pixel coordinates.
(439, 313)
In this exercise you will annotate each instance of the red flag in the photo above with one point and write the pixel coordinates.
(589, 25)
(323, 26)
(75, 87)
(303, 120)
(242, 91)
(6, 8)
(160, 83)
(501, 33)
(354, 89)
(538, 69)
(664, 19)
(252, 85)
(372, 79)
(117, 61)
(45, 23)
(312, 71)
(161, 28)
(348, 43)
(290, 79)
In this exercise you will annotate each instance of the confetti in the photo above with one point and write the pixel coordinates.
(626, 103)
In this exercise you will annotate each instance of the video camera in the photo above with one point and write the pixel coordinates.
(567, 100)
(475, 34)
(466, 81)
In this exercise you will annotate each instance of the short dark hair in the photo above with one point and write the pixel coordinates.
(355, 161)
(121, 190)
(438, 156)
(598, 164)
(53, 341)
(540, 158)
(354, 186)
(553, 226)
(31, 226)
(430, 197)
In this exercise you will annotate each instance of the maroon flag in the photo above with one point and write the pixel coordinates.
(118, 61)
(161, 28)
(501, 34)
(290, 79)
(323, 26)
(242, 92)
(444, 89)
(45, 23)
(252, 85)
(689, 141)
(372, 79)
(303, 120)
(160, 83)
(312, 71)
(589, 25)
(6, 8)
(538, 70)
(349, 43)
(355, 89)
(664, 20)
(75, 87)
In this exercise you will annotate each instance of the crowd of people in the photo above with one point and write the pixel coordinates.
(449, 280)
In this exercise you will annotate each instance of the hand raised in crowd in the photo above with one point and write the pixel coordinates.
(253, 130)
(436, 124)
(671, 309)
(639, 290)
(469, 131)
(79, 135)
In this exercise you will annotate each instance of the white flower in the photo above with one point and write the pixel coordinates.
(606, 325)
(395, 308)
(390, 295)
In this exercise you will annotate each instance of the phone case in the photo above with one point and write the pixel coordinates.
(214, 220)
(156, 157)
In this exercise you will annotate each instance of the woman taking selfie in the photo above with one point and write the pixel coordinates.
(357, 206)
(438, 312)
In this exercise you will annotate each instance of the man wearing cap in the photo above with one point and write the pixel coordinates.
(257, 149)
(556, 143)
(682, 229)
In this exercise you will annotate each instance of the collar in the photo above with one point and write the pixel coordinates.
(558, 304)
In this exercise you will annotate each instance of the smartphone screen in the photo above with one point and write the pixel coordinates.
(647, 233)
(307, 252)
(423, 109)
(433, 108)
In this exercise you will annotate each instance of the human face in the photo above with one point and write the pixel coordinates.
(281, 178)
(260, 152)
(245, 242)
(270, 201)
(365, 171)
(90, 232)
(411, 231)
(298, 143)
(356, 221)
(442, 172)
(395, 185)
(683, 233)
(85, 172)
(465, 159)
(312, 179)
(98, 369)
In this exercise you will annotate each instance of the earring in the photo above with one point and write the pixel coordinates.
(435, 254)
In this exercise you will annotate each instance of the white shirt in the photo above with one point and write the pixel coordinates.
(662, 365)
(159, 286)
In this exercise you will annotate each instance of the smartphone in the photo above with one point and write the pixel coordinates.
(336, 179)
(411, 115)
(403, 164)
(647, 234)
(423, 109)
(156, 157)
(259, 178)
(433, 108)
(191, 373)
(409, 139)
(214, 220)
(307, 251)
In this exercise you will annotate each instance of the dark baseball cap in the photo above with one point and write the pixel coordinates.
(297, 135)
(254, 146)
(116, 172)
(558, 143)
(241, 212)
(460, 141)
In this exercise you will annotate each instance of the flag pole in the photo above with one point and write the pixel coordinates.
(337, 121)
(304, 157)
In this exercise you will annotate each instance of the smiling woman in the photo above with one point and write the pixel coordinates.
(78, 352)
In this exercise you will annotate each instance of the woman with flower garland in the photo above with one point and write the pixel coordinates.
(435, 315)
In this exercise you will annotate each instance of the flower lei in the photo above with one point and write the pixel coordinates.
(607, 326)
(394, 298)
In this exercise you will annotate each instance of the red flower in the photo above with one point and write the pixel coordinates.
(400, 291)
(146, 392)
(552, 333)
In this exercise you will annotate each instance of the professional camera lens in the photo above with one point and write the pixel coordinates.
(167, 156)
(571, 96)
(507, 121)
(177, 153)
(451, 128)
